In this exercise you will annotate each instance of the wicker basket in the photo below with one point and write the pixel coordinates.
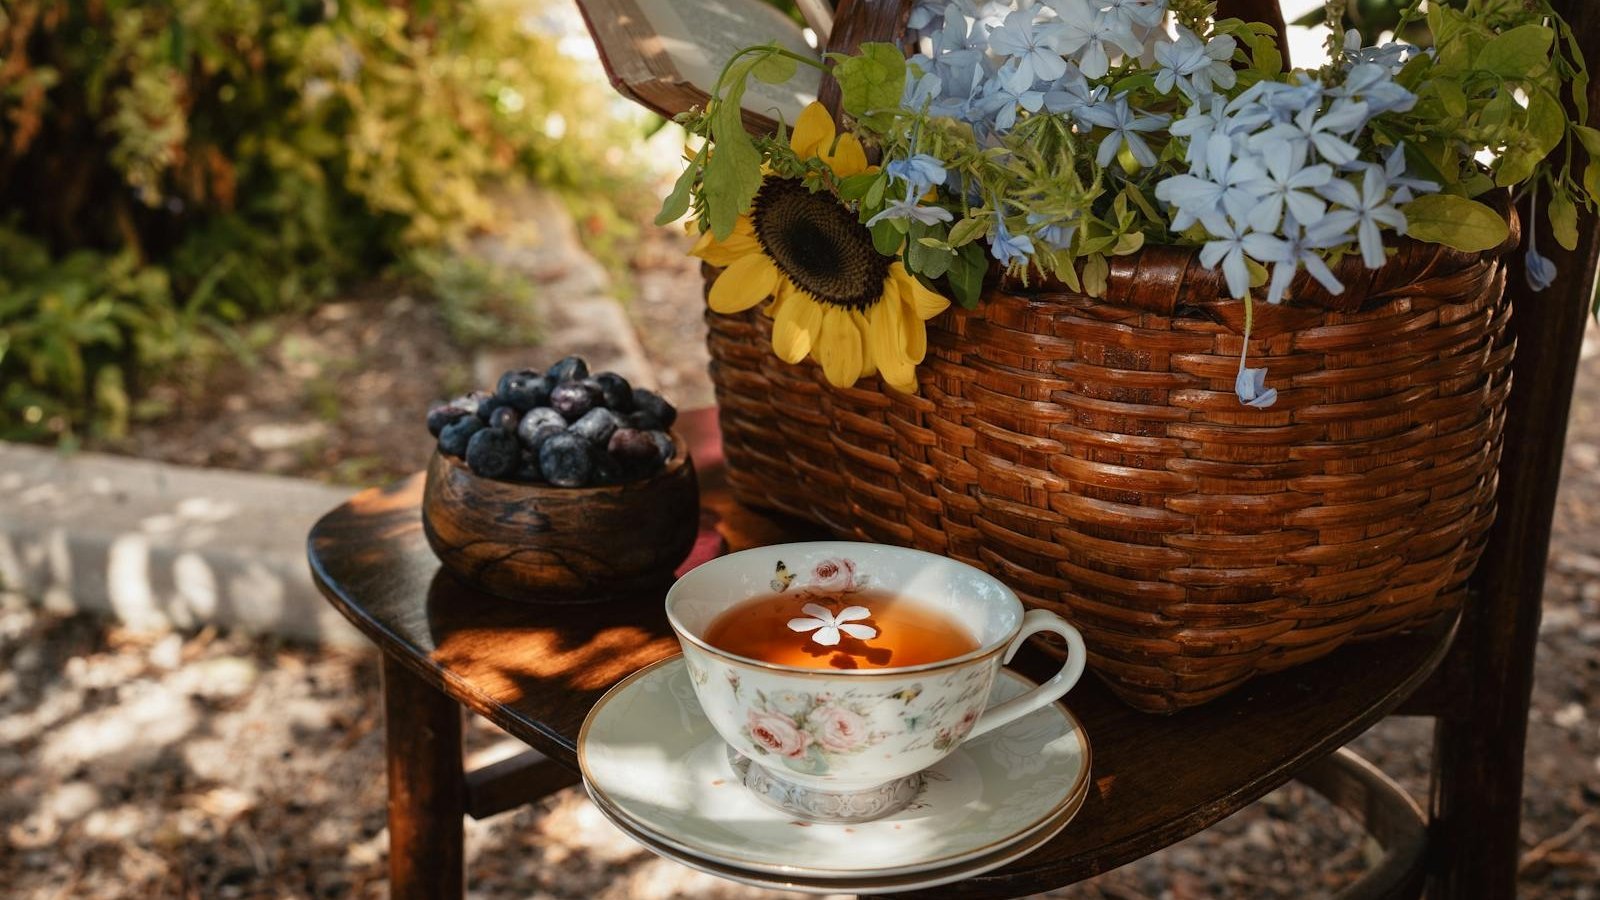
(1092, 454)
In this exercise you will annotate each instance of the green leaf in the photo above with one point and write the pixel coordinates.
(1518, 53)
(1591, 180)
(856, 186)
(1547, 122)
(1466, 225)
(968, 230)
(874, 196)
(1590, 138)
(886, 239)
(774, 68)
(1564, 219)
(872, 81)
(1096, 273)
(733, 168)
(967, 270)
(1517, 165)
(677, 202)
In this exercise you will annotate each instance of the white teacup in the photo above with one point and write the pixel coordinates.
(851, 745)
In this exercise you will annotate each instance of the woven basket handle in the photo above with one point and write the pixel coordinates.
(856, 22)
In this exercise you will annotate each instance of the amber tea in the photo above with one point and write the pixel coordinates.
(863, 629)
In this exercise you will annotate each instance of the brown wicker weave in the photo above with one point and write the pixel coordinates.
(1092, 454)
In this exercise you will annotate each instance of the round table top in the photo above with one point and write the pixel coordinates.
(536, 670)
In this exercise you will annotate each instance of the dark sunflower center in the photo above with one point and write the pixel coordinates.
(818, 243)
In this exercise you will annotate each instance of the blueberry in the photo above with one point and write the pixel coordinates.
(493, 453)
(524, 389)
(572, 368)
(528, 469)
(665, 448)
(632, 447)
(617, 392)
(453, 439)
(596, 426)
(471, 402)
(564, 459)
(536, 421)
(505, 418)
(648, 401)
(640, 420)
(541, 434)
(487, 408)
(574, 398)
(604, 469)
(440, 416)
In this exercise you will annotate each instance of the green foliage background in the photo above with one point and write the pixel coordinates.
(169, 170)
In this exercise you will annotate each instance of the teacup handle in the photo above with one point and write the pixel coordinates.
(1033, 622)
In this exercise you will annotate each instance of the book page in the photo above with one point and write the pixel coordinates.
(700, 35)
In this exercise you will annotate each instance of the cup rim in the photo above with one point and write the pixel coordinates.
(982, 652)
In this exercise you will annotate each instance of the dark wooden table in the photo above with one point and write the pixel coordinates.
(536, 671)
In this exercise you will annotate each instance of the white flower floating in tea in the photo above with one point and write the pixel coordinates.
(826, 626)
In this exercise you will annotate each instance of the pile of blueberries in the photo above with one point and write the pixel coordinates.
(561, 427)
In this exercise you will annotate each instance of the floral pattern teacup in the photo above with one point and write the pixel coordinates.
(843, 731)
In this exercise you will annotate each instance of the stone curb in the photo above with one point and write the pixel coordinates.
(164, 546)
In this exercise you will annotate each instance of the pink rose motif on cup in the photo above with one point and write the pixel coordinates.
(968, 719)
(777, 733)
(838, 729)
(834, 575)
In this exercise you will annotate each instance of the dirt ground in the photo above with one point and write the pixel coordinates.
(211, 765)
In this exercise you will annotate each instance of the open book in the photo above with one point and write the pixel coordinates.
(666, 54)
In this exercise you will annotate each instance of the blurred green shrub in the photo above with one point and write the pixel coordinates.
(168, 170)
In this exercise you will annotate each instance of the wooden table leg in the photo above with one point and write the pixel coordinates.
(427, 789)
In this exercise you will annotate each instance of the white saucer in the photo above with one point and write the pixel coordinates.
(653, 764)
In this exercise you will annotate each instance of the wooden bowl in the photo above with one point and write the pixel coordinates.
(542, 544)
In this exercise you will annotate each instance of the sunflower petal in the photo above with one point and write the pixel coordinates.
(915, 340)
(848, 158)
(886, 344)
(795, 326)
(813, 131)
(839, 348)
(726, 252)
(869, 368)
(926, 303)
(748, 281)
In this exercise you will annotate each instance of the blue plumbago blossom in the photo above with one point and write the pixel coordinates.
(1194, 66)
(1053, 232)
(1005, 96)
(1405, 187)
(1134, 14)
(1085, 33)
(1251, 384)
(1006, 247)
(1287, 183)
(1539, 270)
(1327, 133)
(1227, 249)
(1230, 189)
(919, 171)
(1302, 247)
(1391, 56)
(1124, 126)
(1030, 44)
(1374, 85)
(908, 209)
(1071, 94)
(1366, 210)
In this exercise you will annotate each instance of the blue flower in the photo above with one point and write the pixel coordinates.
(1227, 249)
(1367, 211)
(1134, 13)
(1071, 94)
(1053, 232)
(1326, 133)
(1286, 183)
(1251, 385)
(908, 209)
(1540, 270)
(919, 171)
(1287, 255)
(1028, 43)
(1006, 96)
(1007, 248)
(1229, 190)
(1084, 33)
(1374, 85)
(1124, 125)
(1394, 168)
(1196, 68)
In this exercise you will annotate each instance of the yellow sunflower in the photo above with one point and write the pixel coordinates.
(835, 298)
